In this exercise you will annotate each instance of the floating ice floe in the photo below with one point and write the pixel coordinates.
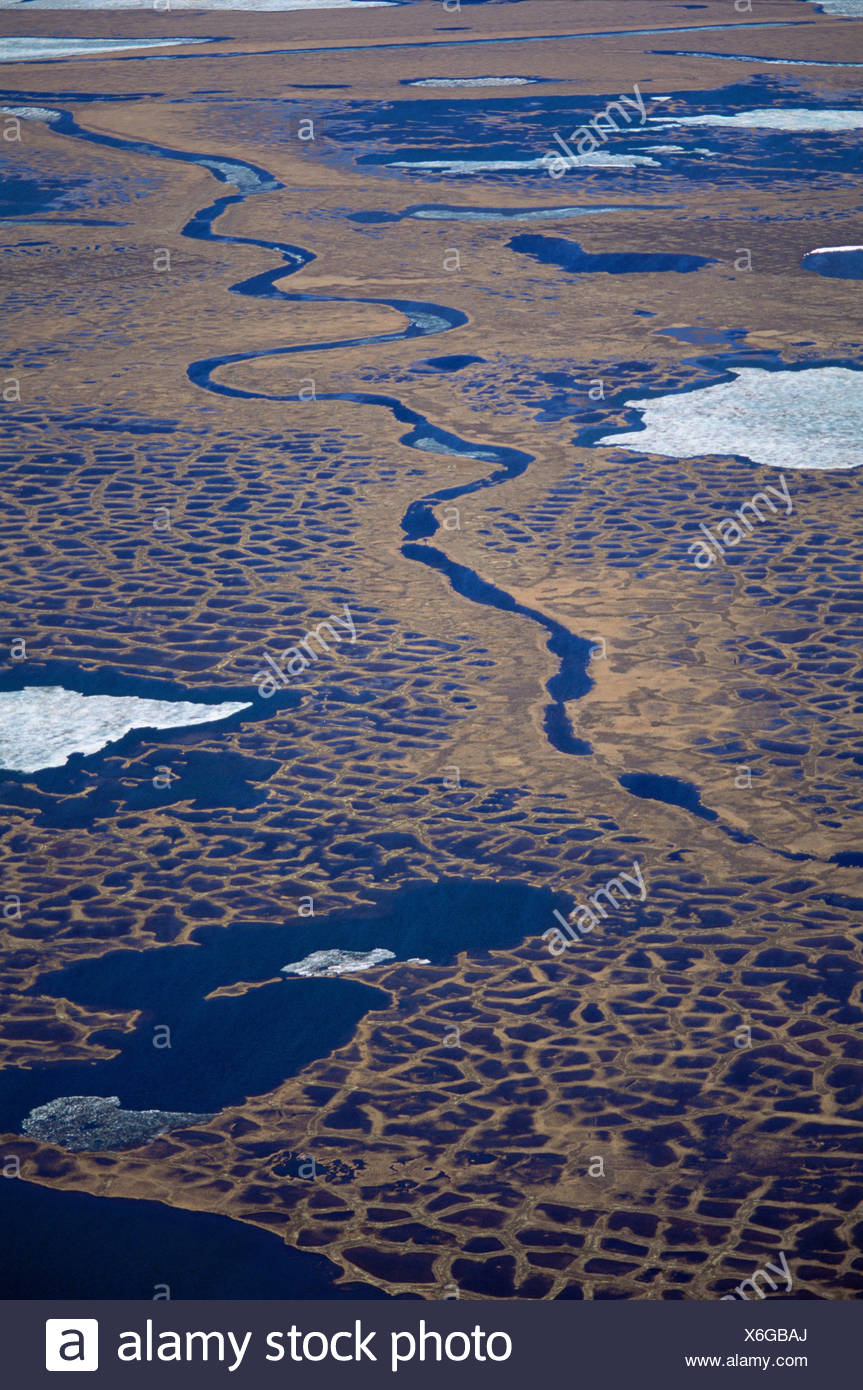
(42, 726)
(23, 49)
(85, 1123)
(501, 215)
(482, 166)
(471, 82)
(841, 9)
(756, 58)
(31, 113)
(802, 119)
(335, 962)
(678, 149)
(243, 176)
(792, 419)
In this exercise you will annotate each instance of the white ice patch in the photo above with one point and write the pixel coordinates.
(534, 215)
(335, 962)
(678, 149)
(20, 49)
(430, 323)
(843, 9)
(31, 113)
(438, 446)
(832, 250)
(472, 82)
(801, 119)
(239, 174)
(770, 62)
(809, 419)
(42, 726)
(482, 166)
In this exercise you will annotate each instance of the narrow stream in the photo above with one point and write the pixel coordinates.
(424, 320)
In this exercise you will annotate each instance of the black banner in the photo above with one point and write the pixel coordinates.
(414, 1344)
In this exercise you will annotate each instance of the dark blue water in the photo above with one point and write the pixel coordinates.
(70, 1245)
(494, 127)
(224, 1050)
(22, 196)
(837, 265)
(454, 363)
(672, 790)
(568, 255)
